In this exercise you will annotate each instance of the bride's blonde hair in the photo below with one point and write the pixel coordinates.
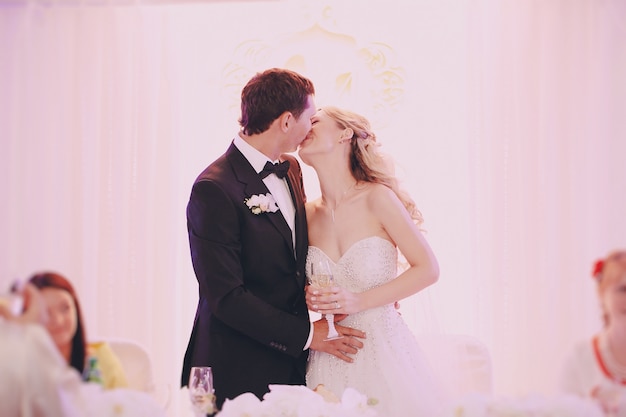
(366, 163)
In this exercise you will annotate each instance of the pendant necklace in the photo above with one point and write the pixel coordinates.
(332, 210)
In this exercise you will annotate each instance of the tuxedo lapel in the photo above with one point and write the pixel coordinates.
(253, 185)
(294, 179)
(297, 195)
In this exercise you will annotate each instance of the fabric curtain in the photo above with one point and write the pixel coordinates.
(505, 120)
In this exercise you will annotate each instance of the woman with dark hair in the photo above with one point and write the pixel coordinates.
(36, 381)
(66, 327)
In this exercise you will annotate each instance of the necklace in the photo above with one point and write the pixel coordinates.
(340, 200)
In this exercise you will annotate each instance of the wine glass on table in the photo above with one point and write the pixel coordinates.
(322, 277)
(201, 391)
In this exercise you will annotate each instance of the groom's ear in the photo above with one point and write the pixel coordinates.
(285, 120)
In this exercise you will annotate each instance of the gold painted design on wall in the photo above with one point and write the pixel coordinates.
(365, 78)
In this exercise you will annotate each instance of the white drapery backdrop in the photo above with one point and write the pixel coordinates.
(505, 120)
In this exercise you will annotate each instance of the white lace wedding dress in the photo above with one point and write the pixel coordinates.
(391, 367)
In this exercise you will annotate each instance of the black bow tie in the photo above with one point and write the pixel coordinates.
(280, 169)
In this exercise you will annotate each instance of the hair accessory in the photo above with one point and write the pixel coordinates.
(364, 135)
(597, 268)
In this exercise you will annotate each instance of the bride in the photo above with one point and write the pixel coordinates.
(358, 224)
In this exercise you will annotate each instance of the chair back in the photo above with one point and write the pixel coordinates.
(136, 363)
(462, 362)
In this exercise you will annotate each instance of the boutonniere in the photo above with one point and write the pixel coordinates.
(261, 203)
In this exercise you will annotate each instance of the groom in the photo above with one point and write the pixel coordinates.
(248, 238)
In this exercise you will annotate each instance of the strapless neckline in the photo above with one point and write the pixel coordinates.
(390, 365)
(353, 246)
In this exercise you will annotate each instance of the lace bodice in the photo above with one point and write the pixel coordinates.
(368, 263)
(390, 367)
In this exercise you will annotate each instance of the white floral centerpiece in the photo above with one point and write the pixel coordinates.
(119, 402)
(297, 401)
(532, 406)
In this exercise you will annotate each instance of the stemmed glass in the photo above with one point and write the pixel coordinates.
(322, 277)
(201, 391)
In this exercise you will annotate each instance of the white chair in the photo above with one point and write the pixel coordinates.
(462, 362)
(136, 363)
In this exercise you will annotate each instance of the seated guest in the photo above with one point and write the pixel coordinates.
(35, 380)
(95, 361)
(29, 363)
(596, 368)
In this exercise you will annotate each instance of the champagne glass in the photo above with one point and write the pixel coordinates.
(322, 277)
(201, 391)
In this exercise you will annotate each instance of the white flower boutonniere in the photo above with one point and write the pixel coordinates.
(262, 203)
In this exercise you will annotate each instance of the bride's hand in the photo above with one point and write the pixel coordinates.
(332, 300)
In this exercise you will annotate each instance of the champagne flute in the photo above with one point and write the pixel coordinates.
(322, 277)
(201, 391)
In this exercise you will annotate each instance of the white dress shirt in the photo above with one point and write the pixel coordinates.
(278, 186)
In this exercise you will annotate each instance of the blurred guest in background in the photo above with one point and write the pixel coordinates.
(95, 361)
(35, 380)
(30, 367)
(597, 368)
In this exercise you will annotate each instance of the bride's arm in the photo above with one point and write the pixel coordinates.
(423, 269)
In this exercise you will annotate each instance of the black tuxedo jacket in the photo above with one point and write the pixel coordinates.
(251, 322)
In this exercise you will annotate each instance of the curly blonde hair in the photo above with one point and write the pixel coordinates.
(366, 163)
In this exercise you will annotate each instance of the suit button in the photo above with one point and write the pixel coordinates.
(298, 274)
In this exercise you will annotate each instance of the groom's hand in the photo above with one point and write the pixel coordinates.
(349, 344)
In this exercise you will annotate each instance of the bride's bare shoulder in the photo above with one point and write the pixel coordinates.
(382, 200)
(376, 191)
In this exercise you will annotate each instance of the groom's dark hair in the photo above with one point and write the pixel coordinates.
(271, 93)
